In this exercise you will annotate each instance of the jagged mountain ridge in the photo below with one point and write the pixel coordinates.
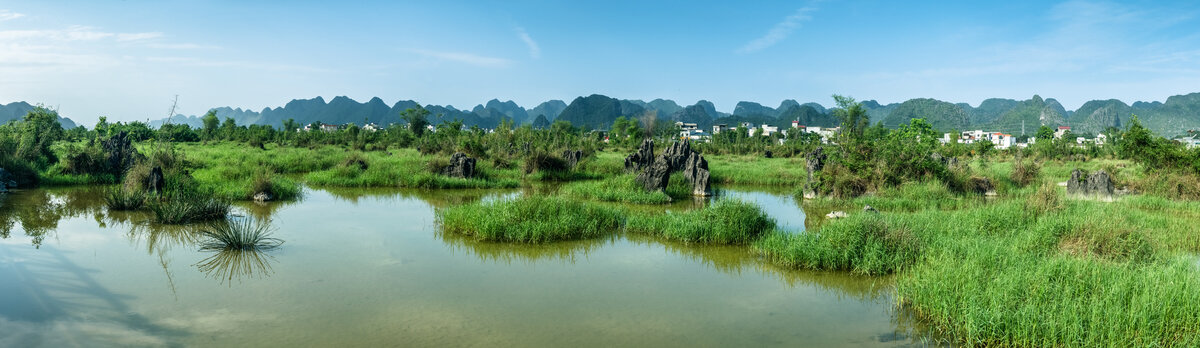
(1173, 117)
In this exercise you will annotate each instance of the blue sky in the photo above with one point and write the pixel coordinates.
(127, 59)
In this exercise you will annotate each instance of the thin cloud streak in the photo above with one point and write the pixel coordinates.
(535, 52)
(6, 15)
(466, 58)
(780, 31)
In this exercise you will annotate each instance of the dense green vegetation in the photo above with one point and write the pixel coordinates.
(725, 221)
(985, 246)
(530, 220)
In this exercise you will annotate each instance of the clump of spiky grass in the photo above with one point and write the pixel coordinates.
(530, 220)
(238, 234)
(1045, 199)
(864, 243)
(179, 209)
(620, 188)
(118, 198)
(239, 244)
(725, 221)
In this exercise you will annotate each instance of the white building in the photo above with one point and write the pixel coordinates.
(370, 127)
(1062, 130)
(1191, 142)
(718, 128)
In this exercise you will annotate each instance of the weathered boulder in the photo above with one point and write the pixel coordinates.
(119, 153)
(836, 215)
(6, 181)
(263, 197)
(980, 185)
(156, 181)
(869, 209)
(461, 166)
(1075, 185)
(813, 161)
(572, 157)
(643, 158)
(655, 177)
(679, 157)
(1098, 184)
(695, 169)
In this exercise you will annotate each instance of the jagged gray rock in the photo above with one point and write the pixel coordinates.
(869, 209)
(1098, 184)
(262, 197)
(980, 185)
(6, 181)
(813, 161)
(641, 159)
(156, 181)
(461, 166)
(679, 157)
(572, 157)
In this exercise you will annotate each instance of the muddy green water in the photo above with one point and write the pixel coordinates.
(369, 268)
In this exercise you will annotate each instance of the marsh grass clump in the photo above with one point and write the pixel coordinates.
(532, 219)
(1045, 199)
(238, 234)
(1024, 172)
(118, 198)
(185, 208)
(865, 243)
(622, 188)
(725, 221)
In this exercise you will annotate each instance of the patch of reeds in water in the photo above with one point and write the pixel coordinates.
(725, 221)
(533, 219)
(240, 246)
(179, 209)
(118, 198)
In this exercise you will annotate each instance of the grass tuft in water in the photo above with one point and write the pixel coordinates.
(179, 209)
(530, 220)
(864, 243)
(238, 234)
(118, 198)
(725, 221)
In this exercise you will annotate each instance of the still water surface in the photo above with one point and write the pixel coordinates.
(369, 268)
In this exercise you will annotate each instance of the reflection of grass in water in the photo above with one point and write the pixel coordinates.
(228, 264)
(239, 244)
(568, 251)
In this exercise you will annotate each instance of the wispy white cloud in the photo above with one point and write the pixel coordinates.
(8, 15)
(466, 58)
(124, 37)
(535, 52)
(780, 31)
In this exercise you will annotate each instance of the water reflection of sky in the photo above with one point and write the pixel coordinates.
(788, 214)
(369, 268)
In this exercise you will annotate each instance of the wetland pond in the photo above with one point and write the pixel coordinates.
(369, 268)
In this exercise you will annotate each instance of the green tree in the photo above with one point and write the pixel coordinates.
(852, 115)
(210, 123)
(1045, 133)
(417, 119)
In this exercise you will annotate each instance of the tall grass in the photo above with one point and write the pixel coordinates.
(625, 189)
(864, 243)
(530, 220)
(186, 208)
(238, 234)
(725, 221)
(118, 198)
